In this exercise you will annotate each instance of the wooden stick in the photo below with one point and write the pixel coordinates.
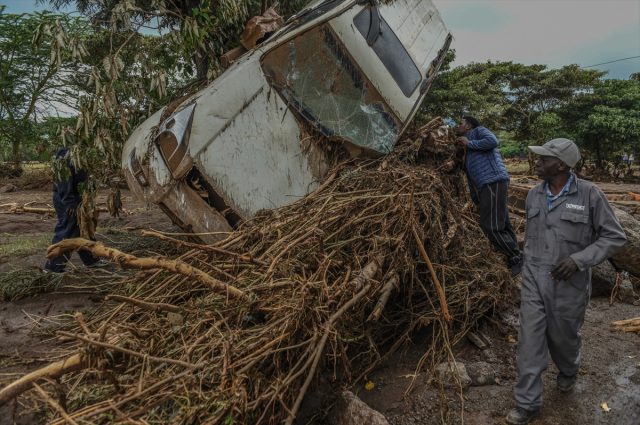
(626, 322)
(125, 351)
(384, 297)
(53, 403)
(54, 370)
(323, 186)
(145, 392)
(318, 353)
(127, 261)
(443, 301)
(209, 248)
(369, 271)
(157, 307)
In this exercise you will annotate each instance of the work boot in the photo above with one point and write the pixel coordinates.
(522, 416)
(566, 383)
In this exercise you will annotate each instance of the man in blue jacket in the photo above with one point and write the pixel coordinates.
(66, 199)
(489, 183)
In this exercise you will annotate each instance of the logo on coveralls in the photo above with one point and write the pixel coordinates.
(575, 207)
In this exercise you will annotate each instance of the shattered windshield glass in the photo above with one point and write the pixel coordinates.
(317, 76)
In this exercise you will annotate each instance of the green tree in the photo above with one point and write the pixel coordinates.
(605, 122)
(32, 82)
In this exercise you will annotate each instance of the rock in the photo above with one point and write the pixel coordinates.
(481, 373)
(627, 257)
(625, 291)
(603, 279)
(8, 188)
(476, 340)
(448, 377)
(350, 410)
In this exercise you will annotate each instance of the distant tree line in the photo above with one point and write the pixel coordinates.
(529, 105)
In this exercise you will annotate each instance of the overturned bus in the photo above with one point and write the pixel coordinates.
(354, 70)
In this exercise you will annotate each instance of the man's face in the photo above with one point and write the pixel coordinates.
(463, 128)
(549, 167)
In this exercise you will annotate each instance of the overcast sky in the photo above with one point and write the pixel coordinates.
(550, 32)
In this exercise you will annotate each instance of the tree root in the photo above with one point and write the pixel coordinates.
(157, 307)
(127, 261)
(54, 370)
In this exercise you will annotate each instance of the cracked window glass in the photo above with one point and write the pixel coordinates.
(317, 76)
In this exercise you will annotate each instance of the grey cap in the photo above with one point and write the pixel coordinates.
(563, 149)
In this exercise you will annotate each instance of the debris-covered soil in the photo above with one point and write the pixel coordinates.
(349, 252)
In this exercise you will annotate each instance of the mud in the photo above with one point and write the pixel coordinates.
(17, 319)
(611, 359)
(611, 366)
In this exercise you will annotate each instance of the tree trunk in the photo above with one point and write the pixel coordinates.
(531, 159)
(16, 153)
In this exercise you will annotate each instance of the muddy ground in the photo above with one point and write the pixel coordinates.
(611, 360)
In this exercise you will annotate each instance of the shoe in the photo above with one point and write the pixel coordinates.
(516, 269)
(522, 416)
(566, 383)
(47, 271)
(99, 263)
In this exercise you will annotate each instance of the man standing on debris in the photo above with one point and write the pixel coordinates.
(66, 199)
(489, 184)
(570, 228)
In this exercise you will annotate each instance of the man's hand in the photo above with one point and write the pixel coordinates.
(463, 140)
(564, 270)
(71, 211)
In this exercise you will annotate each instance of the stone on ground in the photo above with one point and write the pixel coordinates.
(8, 188)
(481, 373)
(350, 410)
(625, 291)
(453, 375)
(627, 257)
(603, 279)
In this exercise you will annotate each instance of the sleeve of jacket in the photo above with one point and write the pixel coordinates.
(485, 141)
(607, 227)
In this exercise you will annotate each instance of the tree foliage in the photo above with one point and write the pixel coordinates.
(531, 104)
(35, 83)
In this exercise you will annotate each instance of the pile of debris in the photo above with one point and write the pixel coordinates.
(239, 330)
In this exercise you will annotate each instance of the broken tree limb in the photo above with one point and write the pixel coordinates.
(209, 248)
(629, 325)
(323, 185)
(369, 271)
(384, 297)
(54, 370)
(53, 403)
(157, 307)
(127, 261)
(443, 301)
(318, 352)
(125, 351)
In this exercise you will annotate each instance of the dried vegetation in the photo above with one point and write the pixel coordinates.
(237, 332)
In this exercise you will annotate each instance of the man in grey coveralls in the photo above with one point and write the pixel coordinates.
(564, 215)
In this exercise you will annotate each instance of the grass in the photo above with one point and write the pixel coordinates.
(23, 283)
(23, 245)
(523, 167)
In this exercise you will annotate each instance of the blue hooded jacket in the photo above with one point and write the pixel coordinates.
(484, 164)
(68, 189)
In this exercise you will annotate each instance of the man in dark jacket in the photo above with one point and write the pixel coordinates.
(489, 183)
(66, 199)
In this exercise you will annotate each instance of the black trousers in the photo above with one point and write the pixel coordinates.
(66, 228)
(495, 221)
